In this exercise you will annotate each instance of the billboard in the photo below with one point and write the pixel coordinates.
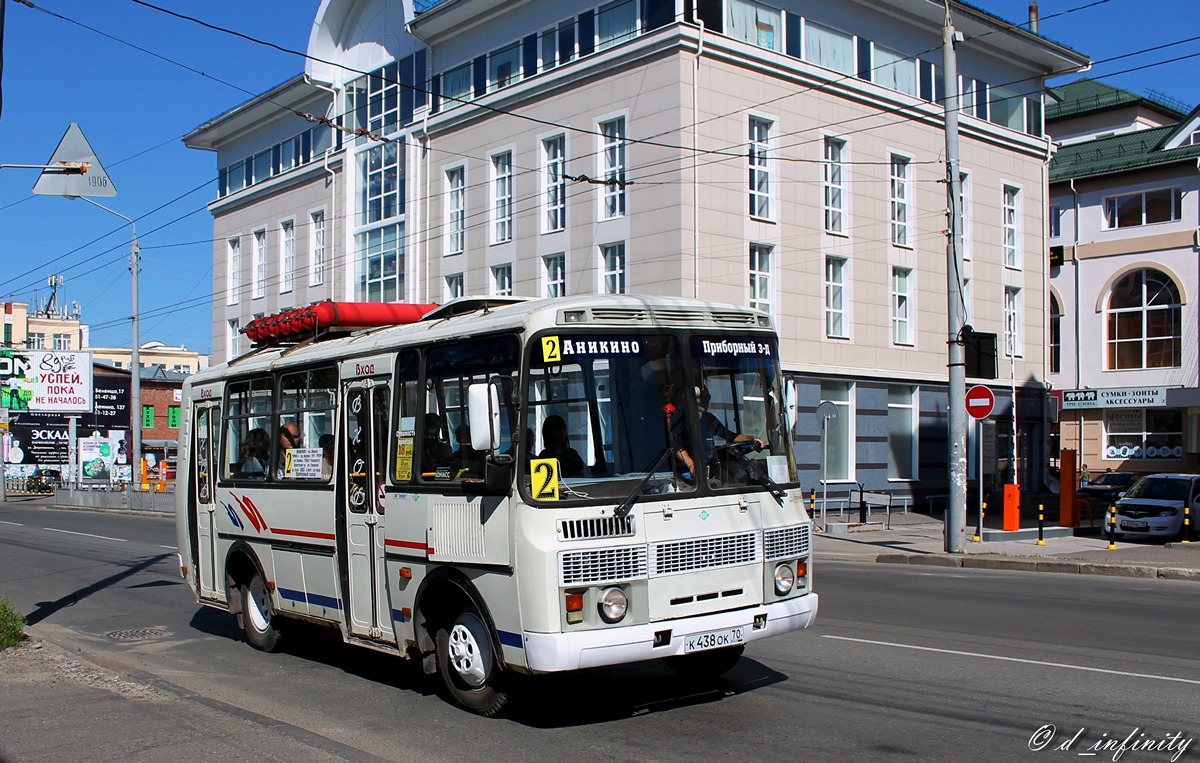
(46, 381)
(42, 438)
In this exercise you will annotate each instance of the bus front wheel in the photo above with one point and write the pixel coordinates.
(468, 663)
(258, 615)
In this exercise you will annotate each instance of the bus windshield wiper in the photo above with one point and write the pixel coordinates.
(756, 473)
(625, 506)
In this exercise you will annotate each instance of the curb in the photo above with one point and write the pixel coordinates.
(1028, 564)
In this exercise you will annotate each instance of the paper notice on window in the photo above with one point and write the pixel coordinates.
(777, 468)
(303, 464)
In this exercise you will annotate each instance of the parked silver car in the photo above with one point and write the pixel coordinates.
(1154, 506)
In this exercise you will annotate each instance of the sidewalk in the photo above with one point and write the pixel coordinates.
(919, 539)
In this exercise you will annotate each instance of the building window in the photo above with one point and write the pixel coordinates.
(287, 255)
(1006, 108)
(835, 298)
(839, 462)
(1143, 320)
(260, 263)
(964, 201)
(502, 283)
(454, 286)
(502, 197)
(613, 261)
(36, 341)
(382, 171)
(504, 67)
(555, 267)
(760, 277)
(1014, 334)
(1132, 209)
(233, 336)
(835, 190)
(901, 306)
(380, 264)
(316, 249)
(828, 48)
(902, 432)
(898, 186)
(555, 153)
(1054, 221)
(617, 22)
(457, 85)
(456, 210)
(754, 23)
(612, 152)
(234, 248)
(61, 341)
(1012, 227)
(894, 70)
(1055, 335)
(173, 417)
(1149, 433)
(760, 173)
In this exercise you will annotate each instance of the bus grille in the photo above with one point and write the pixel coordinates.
(704, 553)
(786, 542)
(595, 527)
(601, 565)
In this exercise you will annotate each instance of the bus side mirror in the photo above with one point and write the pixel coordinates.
(789, 403)
(483, 412)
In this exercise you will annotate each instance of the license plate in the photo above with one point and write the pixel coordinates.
(698, 642)
(1135, 525)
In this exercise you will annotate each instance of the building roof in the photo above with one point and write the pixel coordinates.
(1087, 96)
(1139, 149)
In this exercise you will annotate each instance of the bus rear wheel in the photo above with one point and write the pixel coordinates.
(704, 665)
(258, 615)
(469, 666)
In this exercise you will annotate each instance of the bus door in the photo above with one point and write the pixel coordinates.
(365, 464)
(207, 424)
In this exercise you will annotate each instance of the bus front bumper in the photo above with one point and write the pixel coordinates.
(552, 652)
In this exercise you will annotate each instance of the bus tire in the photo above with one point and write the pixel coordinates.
(469, 666)
(709, 664)
(258, 617)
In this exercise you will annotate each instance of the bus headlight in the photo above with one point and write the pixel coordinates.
(613, 604)
(784, 579)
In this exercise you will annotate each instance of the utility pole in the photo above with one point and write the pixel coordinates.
(956, 511)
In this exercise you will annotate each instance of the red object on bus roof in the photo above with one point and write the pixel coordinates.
(346, 316)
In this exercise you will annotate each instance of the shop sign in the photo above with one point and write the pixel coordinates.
(1119, 397)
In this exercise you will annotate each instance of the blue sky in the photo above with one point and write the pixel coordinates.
(134, 107)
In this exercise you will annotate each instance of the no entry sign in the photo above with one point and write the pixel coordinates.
(980, 401)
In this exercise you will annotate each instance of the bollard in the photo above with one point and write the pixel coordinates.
(1187, 524)
(978, 537)
(1112, 528)
(1041, 541)
(862, 507)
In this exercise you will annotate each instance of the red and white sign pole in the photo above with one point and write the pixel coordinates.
(980, 403)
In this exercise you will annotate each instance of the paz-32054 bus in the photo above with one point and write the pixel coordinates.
(497, 485)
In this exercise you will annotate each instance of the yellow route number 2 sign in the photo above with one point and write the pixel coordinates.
(544, 479)
(551, 349)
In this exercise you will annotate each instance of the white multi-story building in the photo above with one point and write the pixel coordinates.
(1125, 226)
(785, 155)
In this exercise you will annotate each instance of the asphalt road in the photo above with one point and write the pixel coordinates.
(904, 664)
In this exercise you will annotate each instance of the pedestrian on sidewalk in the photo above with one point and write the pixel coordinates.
(1085, 476)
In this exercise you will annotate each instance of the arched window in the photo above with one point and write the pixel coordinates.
(1055, 335)
(1143, 320)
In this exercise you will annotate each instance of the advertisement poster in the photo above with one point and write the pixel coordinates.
(97, 456)
(46, 381)
(42, 438)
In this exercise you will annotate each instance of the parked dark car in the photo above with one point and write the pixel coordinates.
(45, 480)
(1104, 490)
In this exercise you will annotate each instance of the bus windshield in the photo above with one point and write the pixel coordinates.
(685, 413)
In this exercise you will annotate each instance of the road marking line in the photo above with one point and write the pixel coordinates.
(85, 535)
(173, 548)
(14, 524)
(1016, 659)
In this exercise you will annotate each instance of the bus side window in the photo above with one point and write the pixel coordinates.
(247, 444)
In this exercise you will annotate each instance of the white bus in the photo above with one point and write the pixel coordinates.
(501, 486)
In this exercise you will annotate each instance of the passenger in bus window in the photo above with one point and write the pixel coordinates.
(557, 445)
(468, 460)
(289, 438)
(326, 443)
(436, 451)
(253, 462)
